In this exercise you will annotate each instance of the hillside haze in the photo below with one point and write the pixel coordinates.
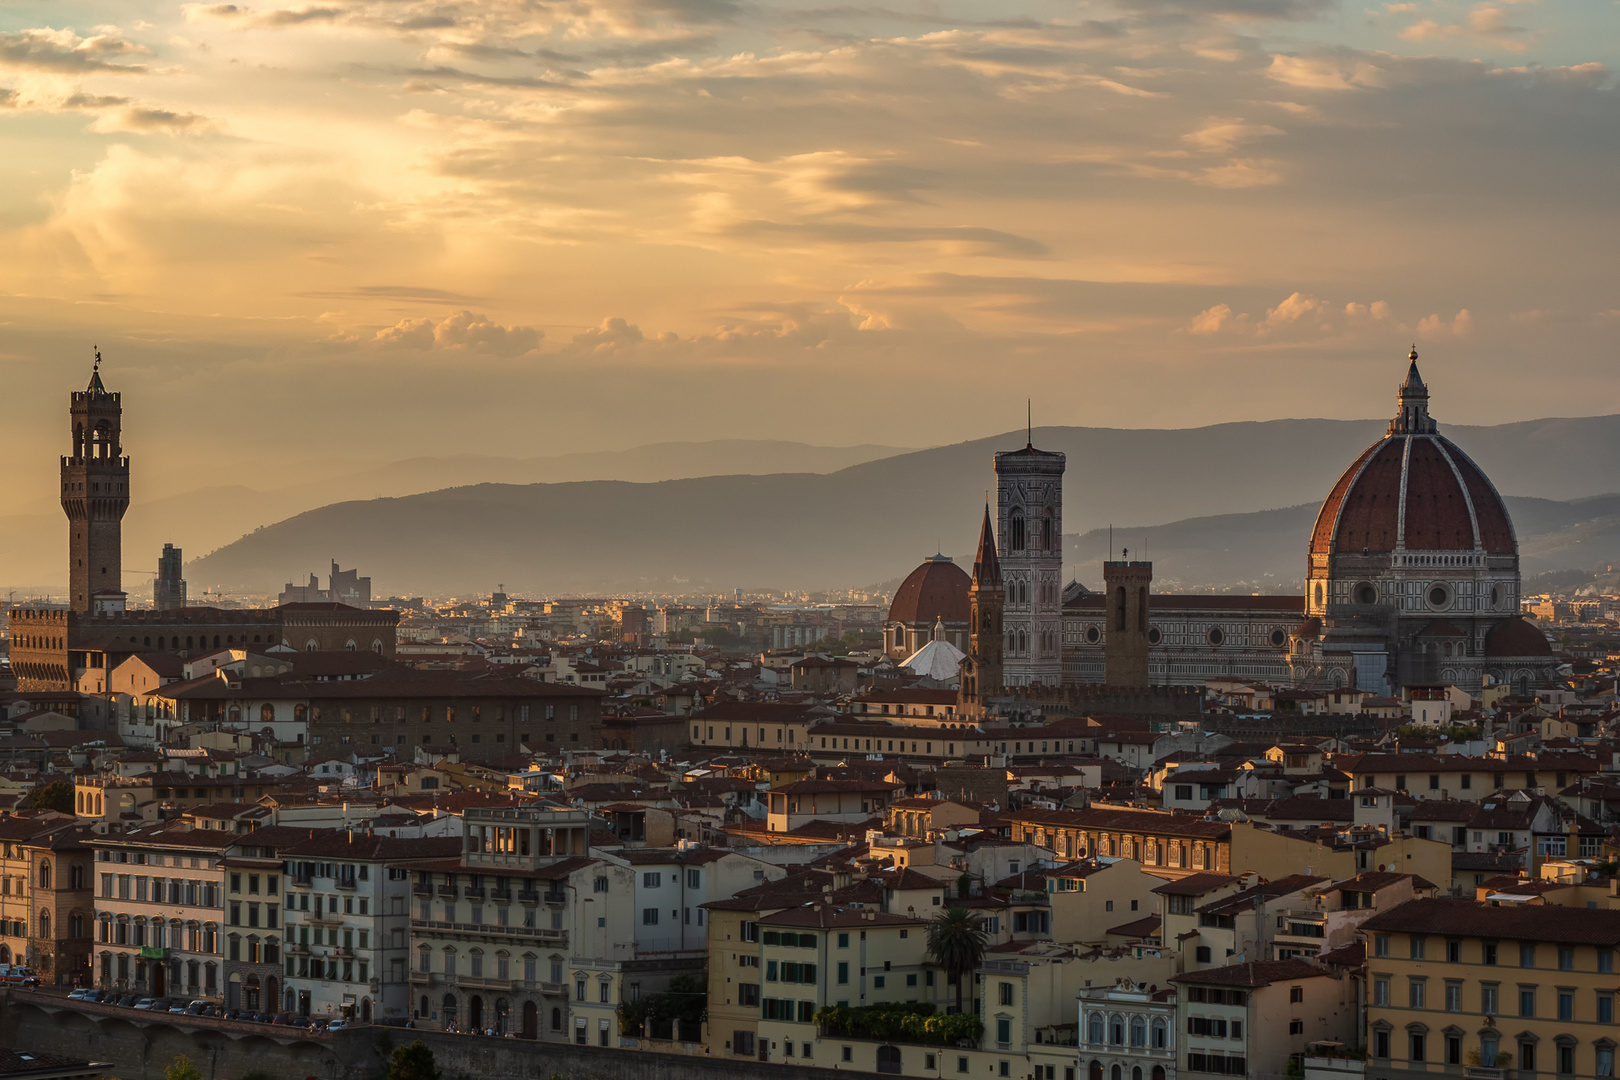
(1203, 503)
(170, 508)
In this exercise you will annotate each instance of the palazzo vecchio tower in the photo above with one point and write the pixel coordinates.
(95, 495)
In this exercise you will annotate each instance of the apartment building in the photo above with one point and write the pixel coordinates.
(348, 922)
(47, 909)
(1166, 844)
(834, 954)
(1461, 988)
(671, 885)
(524, 931)
(1253, 1019)
(1127, 1031)
(159, 910)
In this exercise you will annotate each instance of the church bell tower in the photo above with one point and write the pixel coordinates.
(981, 673)
(95, 495)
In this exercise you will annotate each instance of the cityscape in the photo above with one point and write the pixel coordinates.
(720, 539)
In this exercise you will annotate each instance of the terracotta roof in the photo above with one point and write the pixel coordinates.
(1269, 890)
(823, 916)
(1252, 975)
(1115, 820)
(1140, 928)
(1513, 922)
(1195, 884)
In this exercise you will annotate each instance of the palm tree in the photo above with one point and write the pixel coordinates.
(956, 942)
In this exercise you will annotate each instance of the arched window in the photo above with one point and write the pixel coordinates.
(1094, 1028)
(45, 873)
(1047, 530)
(1141, 607)
(1161, 1036)
(449, 961)
(556, 1019)
(44, 923)
(1015, 525)
(76, 877)
(1119, 609)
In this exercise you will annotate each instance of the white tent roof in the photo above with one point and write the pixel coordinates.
(938, 660)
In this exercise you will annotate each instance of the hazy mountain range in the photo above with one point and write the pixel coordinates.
(1203, 503)
(168, 509)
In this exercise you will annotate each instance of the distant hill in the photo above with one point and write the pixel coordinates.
(1265, 551)
(1200, 502)
(33, 538)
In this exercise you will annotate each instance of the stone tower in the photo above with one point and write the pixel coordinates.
(982, 670)
(1125, 639)
(95, 494)
(169, 590)
(1029, 498)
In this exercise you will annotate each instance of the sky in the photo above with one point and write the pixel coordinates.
(345, 230)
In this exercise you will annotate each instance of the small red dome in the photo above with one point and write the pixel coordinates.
(938, 589)
(1516, 637)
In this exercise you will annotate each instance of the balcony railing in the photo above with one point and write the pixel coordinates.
(501, 895)
(556, 899)
(345, 883)
(447, 891)
(540, 934)
(474, 892)
(422, 888)
(528, 896)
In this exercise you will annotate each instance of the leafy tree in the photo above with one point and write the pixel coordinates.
(56, 795)
(956, 941)
(182, 1069)
(413, 1062)
(722, 637)
(687, 998)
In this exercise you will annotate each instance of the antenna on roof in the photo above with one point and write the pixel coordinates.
(1029, 418)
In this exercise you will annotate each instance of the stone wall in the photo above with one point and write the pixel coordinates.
(140, 1046)
(477, 1058)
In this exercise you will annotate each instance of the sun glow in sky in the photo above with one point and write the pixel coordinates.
(385, 228)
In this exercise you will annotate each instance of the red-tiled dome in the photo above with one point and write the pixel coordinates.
(938, 589)
(1516, 637)
(1416, 489)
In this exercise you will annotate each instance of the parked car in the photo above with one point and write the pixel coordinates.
(79, 994)
(97, 995)
(129, 1001)
(338, 1025)
(149, 1004)
(178, 1007)
(282, 1019)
